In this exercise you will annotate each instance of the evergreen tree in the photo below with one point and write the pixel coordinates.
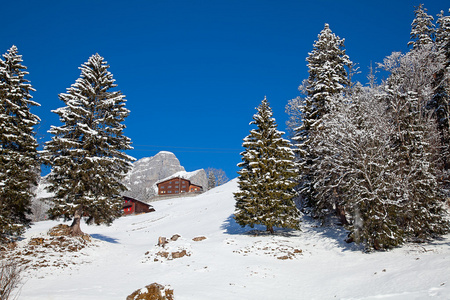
(415, 146)
(422, 28)
(267, 176)
(18, 147)
(86, 152)
(328, 77)
(439, 104)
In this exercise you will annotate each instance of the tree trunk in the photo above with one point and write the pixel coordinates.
(270, 229)
(340, 211)
(75, 227)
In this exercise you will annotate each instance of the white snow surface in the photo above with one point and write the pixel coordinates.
(234, 262)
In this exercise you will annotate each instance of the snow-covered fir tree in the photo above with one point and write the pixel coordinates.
(86, 152)
(18, 147)
(422, 28)
(415, 146)
(328, 76)
(267, 177)
(439, 104)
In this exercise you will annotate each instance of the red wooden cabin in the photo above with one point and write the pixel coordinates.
(133, 206)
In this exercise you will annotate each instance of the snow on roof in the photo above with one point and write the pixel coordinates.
(181, 174)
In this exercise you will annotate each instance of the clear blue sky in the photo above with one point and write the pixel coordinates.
(194, 71)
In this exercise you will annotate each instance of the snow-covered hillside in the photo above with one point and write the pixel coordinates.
(234, 262)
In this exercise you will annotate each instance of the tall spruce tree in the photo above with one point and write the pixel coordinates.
(267, 176)
(86, 152)
(328, 76)
(439, 104)
(415, 145)
(18, 147)
(422, 28)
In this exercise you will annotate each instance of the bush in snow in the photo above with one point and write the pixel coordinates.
(10, 278)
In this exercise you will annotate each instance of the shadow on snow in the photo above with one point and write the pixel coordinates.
(231, 227)
(337, 234)
(104, 238)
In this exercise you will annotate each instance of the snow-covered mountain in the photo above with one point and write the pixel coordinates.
(217, 259)
(141, 180)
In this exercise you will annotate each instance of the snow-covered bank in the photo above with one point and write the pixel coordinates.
(231, 263)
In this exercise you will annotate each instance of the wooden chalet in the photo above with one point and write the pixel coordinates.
(133, 206)
(177, 185)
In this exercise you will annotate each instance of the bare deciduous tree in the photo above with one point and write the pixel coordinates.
(10, 279)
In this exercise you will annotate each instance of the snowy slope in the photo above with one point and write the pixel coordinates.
(232, 263)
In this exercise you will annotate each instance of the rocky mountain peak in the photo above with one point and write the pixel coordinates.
(141, 180)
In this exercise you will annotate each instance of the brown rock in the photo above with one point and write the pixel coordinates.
(163, 254)
(162, 241)
(175, 237)
(36, 241)
(154, 291)
(199, 238)
(59, 230)
(179, 254)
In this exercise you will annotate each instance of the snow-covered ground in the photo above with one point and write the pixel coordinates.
(232, 262)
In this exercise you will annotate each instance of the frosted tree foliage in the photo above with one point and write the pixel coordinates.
(328, 76)
(86, 152)
(355, 170)
(267, 177)
(440, 102)
(380, 159)
(416, 145)
(216, 177)
(18, 155)
(422, 28)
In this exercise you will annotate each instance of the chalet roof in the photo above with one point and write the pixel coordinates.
(132, 199)
(158, 183)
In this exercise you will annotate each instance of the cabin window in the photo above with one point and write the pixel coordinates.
(169, 187)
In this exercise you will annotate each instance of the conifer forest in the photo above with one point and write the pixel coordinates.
(372, 157)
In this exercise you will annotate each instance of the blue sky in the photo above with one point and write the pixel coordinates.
(194, 71)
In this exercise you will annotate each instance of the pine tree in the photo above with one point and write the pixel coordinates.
(18, 146)
(422, 28)
(328, 77)
(86, 152)
(267, 176)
